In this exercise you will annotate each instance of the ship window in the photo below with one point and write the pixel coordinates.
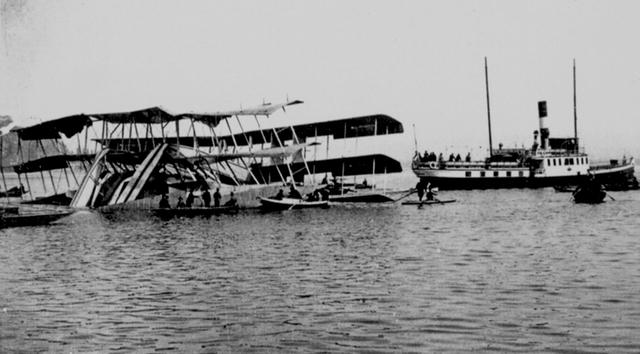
(467, 174)
(495, 173)
(566, 161)
(571, 161)
(554, 162)
(559, 162)
(586, 160)
(508, 173)
(482, 174)
(520, 173)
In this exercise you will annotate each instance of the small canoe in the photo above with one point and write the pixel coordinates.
(290, 203)
(428, 202)
(195, 211)
(28, 217)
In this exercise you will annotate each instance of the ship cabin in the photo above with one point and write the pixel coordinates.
(562, 157)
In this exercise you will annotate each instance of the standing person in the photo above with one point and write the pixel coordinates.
(429, 192)
(180, 203)
(216, 198)
(206, 198)
(420, 188)
(164, 202)
(190, 199)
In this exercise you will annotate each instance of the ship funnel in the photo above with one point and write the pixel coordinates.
(544, 131)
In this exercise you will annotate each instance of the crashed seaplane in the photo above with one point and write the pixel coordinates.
(139, 156)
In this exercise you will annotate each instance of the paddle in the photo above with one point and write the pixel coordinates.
(406, 195)
(612, 198)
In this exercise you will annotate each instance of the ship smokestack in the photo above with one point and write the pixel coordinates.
(544, 131)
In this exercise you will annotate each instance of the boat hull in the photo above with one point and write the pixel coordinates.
(32, 217)
(428, 202)
(289, 203)
(458, 179)
(197, 211)
(360, 198)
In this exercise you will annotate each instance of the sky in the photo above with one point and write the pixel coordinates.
(421, 62)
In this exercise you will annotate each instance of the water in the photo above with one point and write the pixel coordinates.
(513, 270)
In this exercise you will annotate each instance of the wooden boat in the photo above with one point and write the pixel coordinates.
(290, 203)
(564, 188)
(360, 197)
(14, 216)
(428, 202)
(589, 193)
(195, 211)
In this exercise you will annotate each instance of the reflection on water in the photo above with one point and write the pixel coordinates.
(513, 270)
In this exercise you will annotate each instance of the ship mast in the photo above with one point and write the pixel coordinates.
(486, 80)
(575, 112)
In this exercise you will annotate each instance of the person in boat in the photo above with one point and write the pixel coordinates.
(232, 202)
(280, 195)
(206, 198)
(190, 198)
(293, 193)
(324, 180)
(164, 202)
(440, 158)
(458, 158)
(324, 194)
(468, 157)
(452, 158)
(430, 195)
(365, 183)
(216, 198)
(180, 203)
(420, 187)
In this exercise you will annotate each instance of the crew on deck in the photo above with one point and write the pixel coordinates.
(180, 203)
(216, 198)
(164, 202)
(280, 195)
(190, 199)
(206, 198)
(232, 201)
(293, 193)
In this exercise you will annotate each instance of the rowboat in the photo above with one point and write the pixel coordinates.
(195, 211)
(291, 203)
(590, 194)
(14, 217)
(428, 202)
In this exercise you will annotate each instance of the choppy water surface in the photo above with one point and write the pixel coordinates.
(517, 270)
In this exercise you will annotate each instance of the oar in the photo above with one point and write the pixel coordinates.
(406, 195)
(609, 195)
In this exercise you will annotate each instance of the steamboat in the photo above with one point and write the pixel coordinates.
(549, 162)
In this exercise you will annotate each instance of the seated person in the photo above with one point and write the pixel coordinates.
(293, 193)
(164, 202)
(279, 196)
(232, 200)
(324, 194)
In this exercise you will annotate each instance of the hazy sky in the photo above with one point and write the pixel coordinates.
(419, 61)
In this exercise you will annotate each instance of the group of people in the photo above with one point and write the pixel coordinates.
(431, 156)
(422, 187)
(205, 197)
(316, 195)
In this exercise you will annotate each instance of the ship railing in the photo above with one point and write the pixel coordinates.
(558, 152)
